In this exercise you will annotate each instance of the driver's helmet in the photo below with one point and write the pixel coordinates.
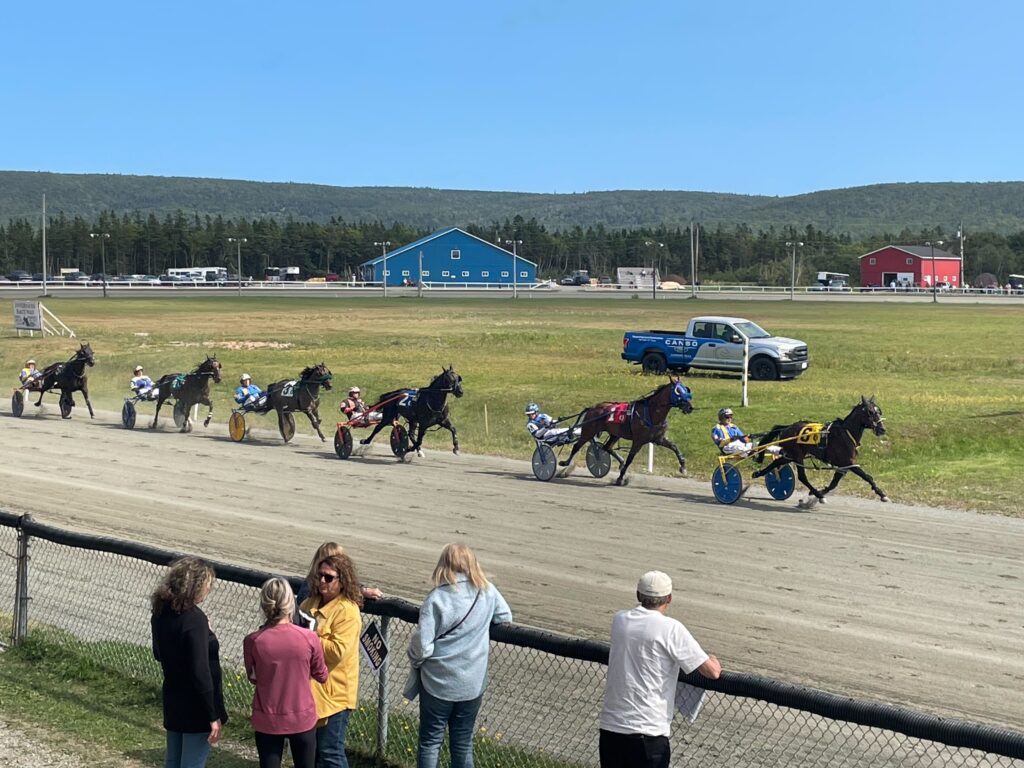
(244, 378)
(29, 362)
(137, 369)
(532, 408)
(354, 391)
(725, 413)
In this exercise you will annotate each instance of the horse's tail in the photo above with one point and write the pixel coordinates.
(771, 436)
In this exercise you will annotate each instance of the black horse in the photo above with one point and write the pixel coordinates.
(302, 395)
(187, 389)
(69, 378)
(834, 443)
(641, 421)
(422, 409)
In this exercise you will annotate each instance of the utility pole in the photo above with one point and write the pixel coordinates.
(238, 242)
(384, 266)
(515, 267)
(792, 274)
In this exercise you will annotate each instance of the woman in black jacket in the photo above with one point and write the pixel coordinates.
(189, 653)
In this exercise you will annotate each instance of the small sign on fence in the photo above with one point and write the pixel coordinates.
(28, 316)
(374, 648)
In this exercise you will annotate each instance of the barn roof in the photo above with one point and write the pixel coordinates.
(441, 233)
(920, 251)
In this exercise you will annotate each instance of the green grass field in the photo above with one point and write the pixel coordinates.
(948, 377)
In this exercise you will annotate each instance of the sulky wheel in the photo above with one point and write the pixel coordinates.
(599, 461)
(343, 442)
(236, 427)
(65, 406)
(180, 414)
(727, 483)
(781, 482)
(545, 465)
(286, 423)
(399, 440)
(18, 403)
(128, 415)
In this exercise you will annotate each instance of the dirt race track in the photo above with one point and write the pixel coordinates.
(914, 606)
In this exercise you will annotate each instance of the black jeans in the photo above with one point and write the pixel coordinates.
(271, 746)
(633, 750)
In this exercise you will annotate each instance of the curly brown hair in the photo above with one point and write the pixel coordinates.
(185, 584)
(347, 574)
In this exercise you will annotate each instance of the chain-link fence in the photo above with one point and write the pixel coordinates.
(545, 690)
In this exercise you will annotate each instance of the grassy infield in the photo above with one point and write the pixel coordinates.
(948, 378)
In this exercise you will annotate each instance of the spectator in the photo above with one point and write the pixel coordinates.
(280, 658)
(329, 549)
(449, 650)
(188, 652)
(335, 611)
(647, 651)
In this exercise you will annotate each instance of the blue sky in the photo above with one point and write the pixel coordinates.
(534, 96)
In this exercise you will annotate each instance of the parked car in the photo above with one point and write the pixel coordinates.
(19, 276)
(174, 280)
(331, 277)
(75, 277)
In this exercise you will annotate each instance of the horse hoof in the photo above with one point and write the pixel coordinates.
(420, 453)
(456, 451)
(406, 458)
(364, 441)
(885, 498)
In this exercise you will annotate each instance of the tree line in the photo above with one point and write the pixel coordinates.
(138, 244)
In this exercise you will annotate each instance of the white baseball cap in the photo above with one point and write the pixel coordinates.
(137, 369)
(654, 584)
(245, 376)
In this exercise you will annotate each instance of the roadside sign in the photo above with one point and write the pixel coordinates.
(27, 316)
(374, 648)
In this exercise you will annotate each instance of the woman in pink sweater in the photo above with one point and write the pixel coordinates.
(280, 659)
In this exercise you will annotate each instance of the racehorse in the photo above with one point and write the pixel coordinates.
(641, 421)
(188, 389)
(423, 408)
(69, 378)
(302, 395)
(834, 443)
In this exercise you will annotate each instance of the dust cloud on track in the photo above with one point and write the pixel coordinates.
(914, 606)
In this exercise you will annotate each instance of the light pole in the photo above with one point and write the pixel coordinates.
(384, 268)
(654, 267)
(792, 272)
(238, 243)
(515, 268)
(935, 286)
(103, 236)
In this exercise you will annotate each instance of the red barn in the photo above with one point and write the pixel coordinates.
(907, 265)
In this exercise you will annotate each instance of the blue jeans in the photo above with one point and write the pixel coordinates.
(459, 717)
(330, 741)
(187, 750)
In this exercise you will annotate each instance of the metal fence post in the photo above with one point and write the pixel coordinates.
(382, 693)
(19, 630)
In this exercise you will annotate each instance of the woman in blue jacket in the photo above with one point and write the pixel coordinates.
(449, 648)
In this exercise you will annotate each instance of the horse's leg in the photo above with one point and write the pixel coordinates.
(664, 442)
(859, 472)
(314, 419)
(588, 433)
(378, 428)
(159, 402)
(207, 401)
(633, 450)
(779, 462)
(836, 477)
(816, 495)
(609, 446)
(447, 424)
(85, 394)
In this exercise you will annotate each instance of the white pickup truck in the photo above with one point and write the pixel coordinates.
(714, 343)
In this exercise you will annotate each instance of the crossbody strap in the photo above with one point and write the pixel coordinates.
(452, 629)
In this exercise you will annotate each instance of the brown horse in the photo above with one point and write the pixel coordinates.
(835, 444)
(188, 389)
(641, 421)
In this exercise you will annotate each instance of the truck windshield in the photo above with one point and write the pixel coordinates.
(753, 330)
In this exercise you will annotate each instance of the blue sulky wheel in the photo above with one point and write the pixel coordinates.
(727, 483)
(781, 482)
(545, 465)
(128, 415)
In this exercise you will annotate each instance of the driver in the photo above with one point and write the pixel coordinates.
(248, 395)
(354, 406)
(141, 384)
(29, 374)
(540, 425)
(730, 439)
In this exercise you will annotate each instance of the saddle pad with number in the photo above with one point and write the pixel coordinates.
(288, 390)
(618, 413)
(178, 381)
(810, 434)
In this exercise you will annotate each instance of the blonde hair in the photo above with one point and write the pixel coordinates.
(185, 584)
(325, 550)
(459, 559)
(277, 600)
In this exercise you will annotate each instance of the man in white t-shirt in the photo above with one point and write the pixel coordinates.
(647, 651)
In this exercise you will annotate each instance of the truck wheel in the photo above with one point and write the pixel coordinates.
(763, 369)
(653, 362)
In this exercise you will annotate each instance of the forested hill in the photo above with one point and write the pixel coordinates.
(857, 211)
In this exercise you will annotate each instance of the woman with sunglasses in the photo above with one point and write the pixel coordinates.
(335, 611)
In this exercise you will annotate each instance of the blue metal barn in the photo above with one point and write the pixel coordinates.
(450, 256)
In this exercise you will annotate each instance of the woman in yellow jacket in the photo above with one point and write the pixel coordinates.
(336, 611)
